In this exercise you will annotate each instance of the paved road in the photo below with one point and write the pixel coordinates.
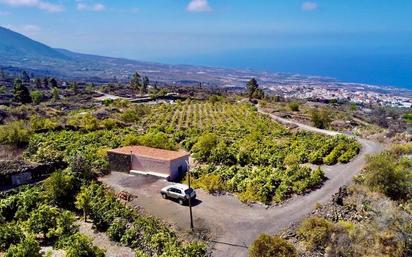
(234, 225)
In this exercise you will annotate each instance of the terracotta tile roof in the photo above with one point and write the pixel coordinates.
(150, 152)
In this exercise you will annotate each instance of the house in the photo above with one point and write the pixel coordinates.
(14, 173)
(149, 161)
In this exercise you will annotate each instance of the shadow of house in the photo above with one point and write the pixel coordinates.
(149, 161)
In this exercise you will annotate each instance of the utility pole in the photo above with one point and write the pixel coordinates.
(190, 198)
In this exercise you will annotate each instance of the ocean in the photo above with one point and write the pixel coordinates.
(376, 67)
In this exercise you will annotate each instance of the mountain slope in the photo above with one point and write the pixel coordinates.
(16, 46)
(18, 52)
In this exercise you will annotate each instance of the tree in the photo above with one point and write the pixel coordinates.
(145, 85)
(37, 97)
(83, 200)
(252, 86)
(25, 77)
(136, 82)
(55, 94)
(3, 89)
(21, 92)
(46, 82)
(271, 246)
(29, 247)
(74, 87)
(37, 82)
(259, 94)
(53, 82)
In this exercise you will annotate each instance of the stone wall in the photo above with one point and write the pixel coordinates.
(119, 162)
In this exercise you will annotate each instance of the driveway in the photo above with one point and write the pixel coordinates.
(234, 225)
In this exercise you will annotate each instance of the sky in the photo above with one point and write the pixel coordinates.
(193, 30)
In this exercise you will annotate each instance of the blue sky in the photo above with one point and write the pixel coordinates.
(168, 29)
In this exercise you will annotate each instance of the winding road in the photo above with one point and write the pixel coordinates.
(234, 225)
(257, 221)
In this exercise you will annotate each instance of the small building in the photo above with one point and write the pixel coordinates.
(14, 173)
(149, 161)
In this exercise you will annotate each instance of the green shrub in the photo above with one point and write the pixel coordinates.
(61, 187)
(294, 106)
(390, 175)
(15, 133)
(79, 245)
(117, 229)
(10, 234)
(157, 139)
(84, 121)
(315, 231)
(37, 97)
(38, 123)
(211, 183)
(271, 246)
(28, 247)
(204, 146)
(51, 222)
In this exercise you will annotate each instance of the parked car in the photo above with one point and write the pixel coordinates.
(178, 192)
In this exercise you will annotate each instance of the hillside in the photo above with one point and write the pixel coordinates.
(19, 51)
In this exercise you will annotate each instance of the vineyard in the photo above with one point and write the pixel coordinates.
(203, 115)
(236, 148)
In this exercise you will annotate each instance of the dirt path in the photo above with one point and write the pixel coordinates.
(232, 224)
(102, 241)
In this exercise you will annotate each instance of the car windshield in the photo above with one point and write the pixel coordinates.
(188, 191)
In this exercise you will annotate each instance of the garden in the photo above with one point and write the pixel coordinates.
(236, 149)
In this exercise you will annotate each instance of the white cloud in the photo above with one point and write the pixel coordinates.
(27, 29)
(39, 4)
(81, 6)
(309, 6)
(198, 6)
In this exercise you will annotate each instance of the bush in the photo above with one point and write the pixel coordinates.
(135, 113)
(211, 183)
(321, 118)
(294, 106)
(315, 231)
(10, 234)
(51, 222)
(15, 133)
(204, 146)
(157, 139)
(40, 124)
(271, 246)
(387, 174)
(29, 247)
(61, 188)
(37, 97)
(84, 121)
(117, 229)
(79, 245)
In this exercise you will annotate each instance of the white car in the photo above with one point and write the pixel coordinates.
(179, 192)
